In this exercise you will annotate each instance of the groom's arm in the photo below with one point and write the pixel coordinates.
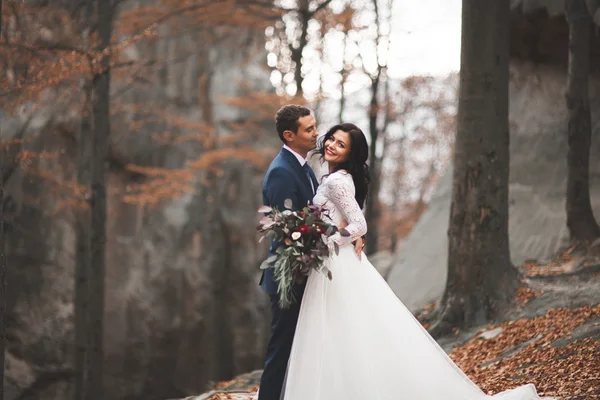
(280, 185)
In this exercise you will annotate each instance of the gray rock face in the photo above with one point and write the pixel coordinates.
(183, 305)
(419, 273)
(537, 224)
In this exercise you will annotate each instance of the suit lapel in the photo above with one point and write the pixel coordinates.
(314, 179)
(293, 161)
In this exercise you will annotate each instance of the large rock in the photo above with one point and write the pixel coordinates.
(183, 306)
(538, 125)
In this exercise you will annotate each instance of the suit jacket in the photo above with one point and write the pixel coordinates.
(285, 179)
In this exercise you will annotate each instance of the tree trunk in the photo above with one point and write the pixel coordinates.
(304, 16)
(3, 265)
(376, 155)
(82, 224)
(99, 159)
(372, 211)
(82, 256)
(580, 217)
(224, 344)
(481, 278)
(344, 75)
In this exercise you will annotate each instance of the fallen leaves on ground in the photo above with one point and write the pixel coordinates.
(224, 384)
(570, 372)
(424, 317)
(526, 293)
(235, 395)
(576, 257)
(522, 353)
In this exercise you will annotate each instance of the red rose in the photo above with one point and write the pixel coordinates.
(303, 229)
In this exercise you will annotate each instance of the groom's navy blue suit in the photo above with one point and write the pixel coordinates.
(285, 179)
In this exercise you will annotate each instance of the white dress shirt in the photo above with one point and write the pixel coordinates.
(302, 161)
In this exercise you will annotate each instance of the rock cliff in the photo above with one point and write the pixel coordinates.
(182, 305)
(538, 150)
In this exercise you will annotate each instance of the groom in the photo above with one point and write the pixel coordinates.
(289, 177)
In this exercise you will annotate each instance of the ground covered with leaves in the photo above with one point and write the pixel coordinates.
(551, 339)
(559, 352)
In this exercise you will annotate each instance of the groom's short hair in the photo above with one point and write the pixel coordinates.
(287, 118)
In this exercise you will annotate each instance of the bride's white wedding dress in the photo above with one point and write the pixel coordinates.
(355, 340)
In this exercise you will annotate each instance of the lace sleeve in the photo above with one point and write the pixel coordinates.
(341, 193)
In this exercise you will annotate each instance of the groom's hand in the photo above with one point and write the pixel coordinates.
(358, 244)
(358, 247)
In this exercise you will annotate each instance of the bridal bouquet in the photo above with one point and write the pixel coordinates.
(301, 235)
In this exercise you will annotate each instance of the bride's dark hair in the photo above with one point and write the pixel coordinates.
(356, 164)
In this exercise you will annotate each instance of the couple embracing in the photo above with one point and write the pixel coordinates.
(349, 338)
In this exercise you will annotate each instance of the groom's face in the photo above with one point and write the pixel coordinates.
(305, 139)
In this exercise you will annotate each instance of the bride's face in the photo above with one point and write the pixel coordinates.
(337, 148)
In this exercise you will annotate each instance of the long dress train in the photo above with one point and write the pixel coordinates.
(355, 340)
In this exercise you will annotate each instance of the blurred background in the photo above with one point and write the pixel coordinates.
(176, 99)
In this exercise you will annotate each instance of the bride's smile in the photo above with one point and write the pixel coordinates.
(337, 148)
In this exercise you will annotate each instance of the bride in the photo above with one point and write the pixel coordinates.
(354, 339)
